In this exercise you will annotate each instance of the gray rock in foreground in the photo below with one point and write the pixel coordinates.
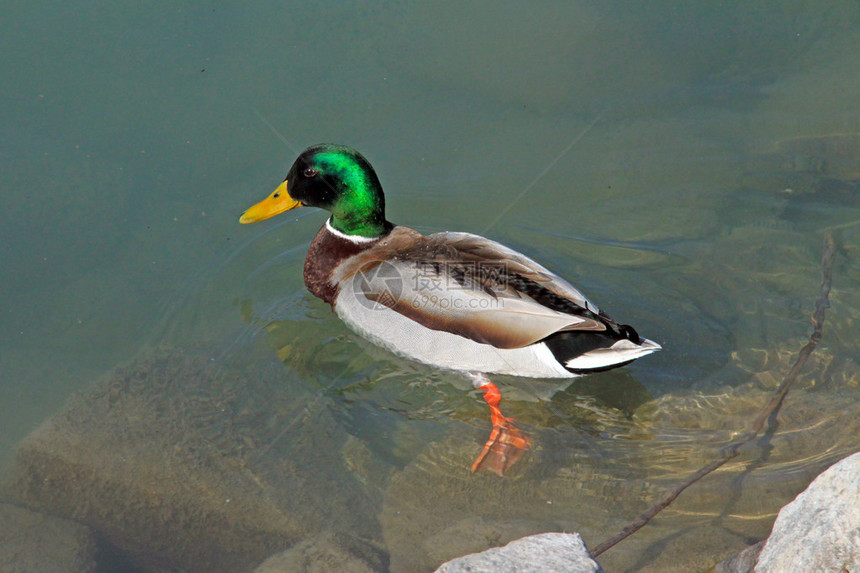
(820, 529)
(543, 553)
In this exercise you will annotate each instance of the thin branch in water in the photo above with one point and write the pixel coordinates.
(732, 449)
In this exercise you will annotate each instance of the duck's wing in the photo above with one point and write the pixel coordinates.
(475, 247)
(466, 285)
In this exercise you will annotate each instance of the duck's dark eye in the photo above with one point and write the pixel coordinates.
(309, 172)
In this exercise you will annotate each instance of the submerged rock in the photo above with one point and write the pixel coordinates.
(743, 562)
(188, 464)
(31, 541)
(544, 553)
(820, 529)
(835, 156)
(325, 553)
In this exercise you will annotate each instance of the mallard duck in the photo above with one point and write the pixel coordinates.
(452, 300)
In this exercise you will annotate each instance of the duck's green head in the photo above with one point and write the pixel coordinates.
(332, 177)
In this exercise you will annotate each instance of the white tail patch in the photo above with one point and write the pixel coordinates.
(621, 351)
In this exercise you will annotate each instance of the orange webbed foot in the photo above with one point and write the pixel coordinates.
(507, 443)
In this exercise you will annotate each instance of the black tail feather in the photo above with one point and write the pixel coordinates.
(567, 345)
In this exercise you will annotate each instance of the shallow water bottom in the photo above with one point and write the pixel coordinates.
(182, 460)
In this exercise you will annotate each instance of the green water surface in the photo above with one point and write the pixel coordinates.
(679, 162)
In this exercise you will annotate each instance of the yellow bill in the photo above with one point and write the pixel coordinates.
(274, 204)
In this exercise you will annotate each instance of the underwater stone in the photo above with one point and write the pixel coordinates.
(743, 562)
(31, 541)
(328, 552)
(182, 462)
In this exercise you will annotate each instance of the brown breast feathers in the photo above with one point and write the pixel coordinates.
(326, 252)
